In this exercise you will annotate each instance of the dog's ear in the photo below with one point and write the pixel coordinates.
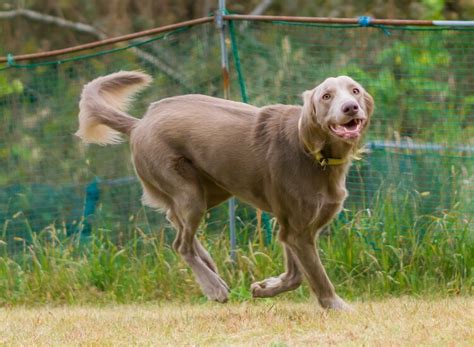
(308, 126)
(369, 103)
(309, 109)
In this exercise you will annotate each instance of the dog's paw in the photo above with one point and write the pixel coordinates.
(221, 296)
(335, 303)
(256, 290)
(218, 293)
(265, 288)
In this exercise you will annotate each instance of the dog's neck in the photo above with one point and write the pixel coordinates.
(327, 147)
(338, 149)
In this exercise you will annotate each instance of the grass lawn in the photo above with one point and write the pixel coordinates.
(397, 321)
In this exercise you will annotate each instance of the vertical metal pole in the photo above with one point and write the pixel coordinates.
(225, 74)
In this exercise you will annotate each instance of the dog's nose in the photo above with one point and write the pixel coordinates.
(350, 108)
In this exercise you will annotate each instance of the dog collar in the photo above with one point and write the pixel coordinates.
(323, 161)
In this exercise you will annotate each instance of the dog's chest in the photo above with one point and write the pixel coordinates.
(329, 201)
(325, 212)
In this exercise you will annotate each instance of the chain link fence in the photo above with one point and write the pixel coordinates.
(418, 170)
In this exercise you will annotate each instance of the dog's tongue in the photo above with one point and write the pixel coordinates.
(349, 130)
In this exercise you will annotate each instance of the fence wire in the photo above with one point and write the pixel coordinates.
(419, 169)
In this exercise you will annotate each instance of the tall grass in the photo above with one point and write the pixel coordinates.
(367, 254)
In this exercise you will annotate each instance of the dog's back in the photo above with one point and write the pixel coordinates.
(213, 135)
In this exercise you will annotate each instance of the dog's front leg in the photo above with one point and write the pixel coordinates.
(303, 246)
(289, 280)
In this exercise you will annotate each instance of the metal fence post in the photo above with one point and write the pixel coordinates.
(225, 74)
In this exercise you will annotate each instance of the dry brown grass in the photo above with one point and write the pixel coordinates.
(404, 321)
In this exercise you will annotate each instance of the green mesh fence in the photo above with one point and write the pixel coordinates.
(419, 169)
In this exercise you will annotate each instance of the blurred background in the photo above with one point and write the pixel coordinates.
(72, 226)
(25, 34)
(421, 78)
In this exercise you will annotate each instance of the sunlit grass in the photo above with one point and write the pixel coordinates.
(402, 321)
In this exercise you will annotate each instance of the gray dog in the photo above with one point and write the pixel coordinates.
(193, 152)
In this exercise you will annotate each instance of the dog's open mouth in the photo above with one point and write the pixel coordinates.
(349, 130)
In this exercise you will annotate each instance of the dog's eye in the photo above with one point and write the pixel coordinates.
(326, 96)
(355, 91)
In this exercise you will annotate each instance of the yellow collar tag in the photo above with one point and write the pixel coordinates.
(328, 161)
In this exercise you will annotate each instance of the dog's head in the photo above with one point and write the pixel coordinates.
(339, 106)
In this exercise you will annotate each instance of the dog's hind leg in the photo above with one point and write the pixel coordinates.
(181, 191)
(289, 280)
(189, 207)
(201, 251)
(205, 256)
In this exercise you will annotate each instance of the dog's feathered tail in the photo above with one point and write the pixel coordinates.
(102, 109)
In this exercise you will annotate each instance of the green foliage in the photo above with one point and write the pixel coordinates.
(410, 229)
(366, 255)
(433, 9)
(10, 87)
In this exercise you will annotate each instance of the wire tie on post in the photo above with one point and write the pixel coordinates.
(219, 20)
(10, 59)
(364, 21)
